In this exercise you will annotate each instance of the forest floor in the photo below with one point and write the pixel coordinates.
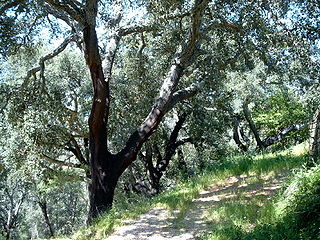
(238, 198)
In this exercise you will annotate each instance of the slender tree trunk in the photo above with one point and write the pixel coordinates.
(182, 166)
(156, 171)
(314, 140)
(251, 124)
(44, 209)
(237, 134)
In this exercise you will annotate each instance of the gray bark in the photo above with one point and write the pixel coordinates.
(314, 141)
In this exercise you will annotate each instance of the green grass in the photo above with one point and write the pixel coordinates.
(290, 215)
(230, 219)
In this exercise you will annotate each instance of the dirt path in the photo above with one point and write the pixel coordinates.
(160, 224)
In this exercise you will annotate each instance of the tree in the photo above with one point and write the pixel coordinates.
(106, 167)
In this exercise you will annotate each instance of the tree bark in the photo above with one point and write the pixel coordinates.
(282, 134)
(103, 166)
(106, 168)
(314, 140)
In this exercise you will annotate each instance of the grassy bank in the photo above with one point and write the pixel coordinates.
(294, 213)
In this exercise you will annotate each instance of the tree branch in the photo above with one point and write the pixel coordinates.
(61, 163)
(251, 124)
(183, 141)
(186, 57)
(124, 31)
(9, 5)
(74, 147)
(280, 136)
(51, 55)
(184, 94)
(73, 11)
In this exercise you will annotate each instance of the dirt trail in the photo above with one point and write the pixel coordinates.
(161, 224)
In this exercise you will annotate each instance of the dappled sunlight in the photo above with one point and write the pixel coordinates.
(237, 201)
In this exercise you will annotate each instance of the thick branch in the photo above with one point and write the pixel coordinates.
(183, 59)
(172, 144)
(110, 55)
(61, 163)
(281, 135)
(74, 147)
(123, 31)
(184, 94)
(72, 10)
(183, 141)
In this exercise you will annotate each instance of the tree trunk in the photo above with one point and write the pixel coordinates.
(282, 134)
(103, 170)
(156, 172)
(314, 140)
(182, 166)
(237, 134)
(44, 209)
(251, 124)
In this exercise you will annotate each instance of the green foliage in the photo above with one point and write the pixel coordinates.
(263, 163)
(279, 111)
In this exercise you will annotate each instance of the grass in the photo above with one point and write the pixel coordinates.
(257, 217)
(231, 218)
